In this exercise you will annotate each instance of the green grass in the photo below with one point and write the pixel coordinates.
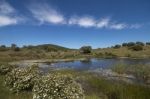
(140, 71)
(95, 87)
(57, 52)
(119, 90)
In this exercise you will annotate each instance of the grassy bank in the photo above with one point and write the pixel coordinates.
(140, 71)
(95, 87)
(42, 53)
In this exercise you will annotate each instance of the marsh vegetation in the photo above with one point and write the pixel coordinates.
(31, 82)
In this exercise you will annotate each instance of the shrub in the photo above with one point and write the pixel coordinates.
(117, 46)
(57, 86)
(20, 79)
(147, 43)
(136, 48)
(3, 48)
(86, 49)
(140, 43)
(5, 68)
(131, 44)
(124, 44)
(110, 55)
(13, 46)
(17, 49)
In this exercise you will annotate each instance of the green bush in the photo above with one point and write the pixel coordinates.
(140, 43)
(20, 79)
(109, 55)
(147, 43)
(57, 86)
(117, 46)
(86, 49)
(136, 48)
(17, 49)
(5, 68)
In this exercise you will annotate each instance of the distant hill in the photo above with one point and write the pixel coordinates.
(48, 47)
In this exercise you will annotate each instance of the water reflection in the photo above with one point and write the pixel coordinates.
(92, 64)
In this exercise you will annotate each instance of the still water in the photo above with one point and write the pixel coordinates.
(92, 64)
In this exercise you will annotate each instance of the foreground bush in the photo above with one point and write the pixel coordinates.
(57, 86)
(5, 68)
(20, 79)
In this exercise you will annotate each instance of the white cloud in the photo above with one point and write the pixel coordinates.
(82, 21)
(135, 26)
(8, 15)
(118, 26)
(44, 13)
(103, 23)
(6, 8)
(92, 22)
(5, 20)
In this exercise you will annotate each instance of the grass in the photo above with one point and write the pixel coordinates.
(123, 52)
(40, 53)
(95, 87)
(140, 71)
(119, 90)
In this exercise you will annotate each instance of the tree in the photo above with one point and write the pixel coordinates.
(140, 43)
(147, 43)
(17, 49)
(124, 44)
(117, 46)
(86, 49)
(131, 44)
(13, 46)
(136, 48)
(3, 48)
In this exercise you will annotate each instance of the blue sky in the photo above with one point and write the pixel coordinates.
(74, 23)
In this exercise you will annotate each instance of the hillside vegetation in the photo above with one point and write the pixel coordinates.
(49, 51)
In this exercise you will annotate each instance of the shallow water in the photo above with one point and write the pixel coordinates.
(92, 64)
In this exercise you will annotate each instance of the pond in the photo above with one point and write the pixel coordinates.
(92, 64)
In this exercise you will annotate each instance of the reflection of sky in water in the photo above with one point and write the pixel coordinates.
(93, 64)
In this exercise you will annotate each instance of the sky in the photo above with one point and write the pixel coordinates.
(74, 23)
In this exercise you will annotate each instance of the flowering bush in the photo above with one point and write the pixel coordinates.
(57, 86)
(5, 68)
(22, 78)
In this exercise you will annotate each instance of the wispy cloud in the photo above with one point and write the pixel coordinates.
(8, 14)
(104, 22)
(135, 26)
(5, 20)
(118, 26)
(85, 21)
(45, 13)
(92, 22)
(6, 8)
